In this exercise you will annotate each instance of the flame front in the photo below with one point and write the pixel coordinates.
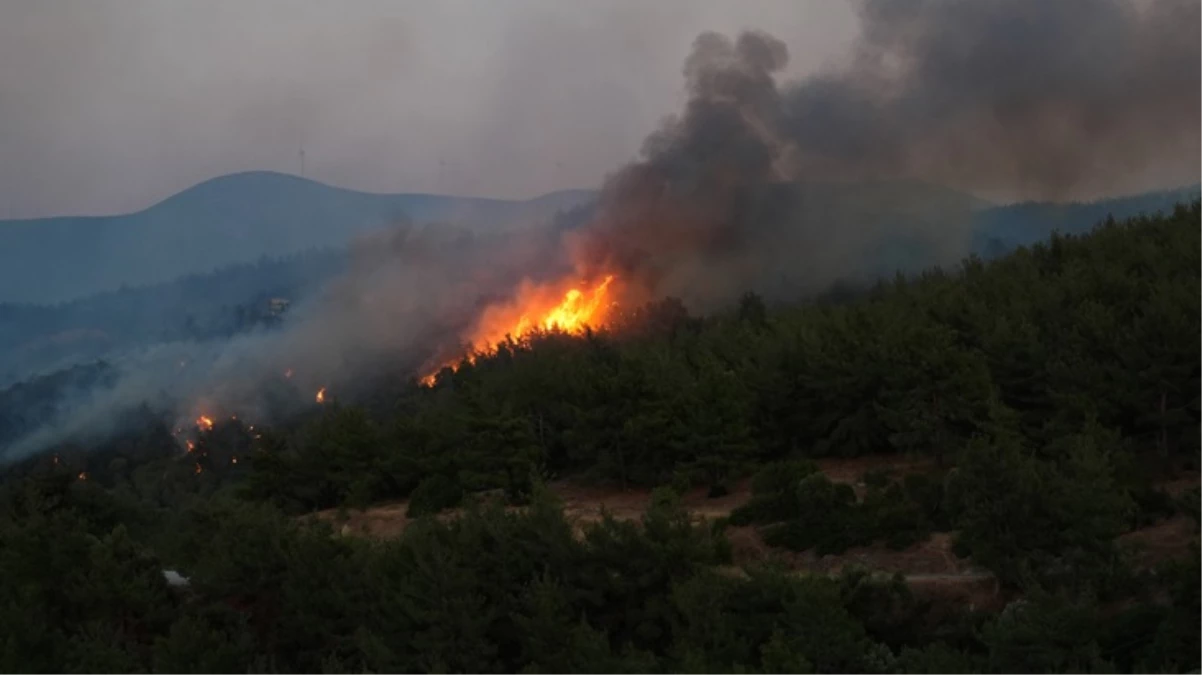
(204, 422)
(321, 395)
(574, 311)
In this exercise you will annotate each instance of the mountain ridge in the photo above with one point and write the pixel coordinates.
(225, 220)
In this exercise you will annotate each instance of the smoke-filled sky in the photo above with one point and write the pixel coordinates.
(106, 107)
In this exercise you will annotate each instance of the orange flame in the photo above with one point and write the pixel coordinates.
(197, 470)
(204, 422)
(575, 311)
(191, 446)
(321, 395)
(83, 475)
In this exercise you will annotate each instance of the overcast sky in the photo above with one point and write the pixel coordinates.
(107, 107)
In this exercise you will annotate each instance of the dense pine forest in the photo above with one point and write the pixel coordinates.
(1051, 396)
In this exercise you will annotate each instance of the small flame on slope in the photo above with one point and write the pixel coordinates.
(204, 422)
(321, 395)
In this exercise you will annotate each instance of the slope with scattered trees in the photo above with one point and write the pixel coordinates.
(1049, 394)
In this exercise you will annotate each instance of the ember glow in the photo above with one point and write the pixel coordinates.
(204, 423)
(191, 445)
(536, 308)
(321, 395)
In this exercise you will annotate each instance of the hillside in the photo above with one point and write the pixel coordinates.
(1017, 440)
(998, 230)
(901, 226)
(206, 306)
(230, 219)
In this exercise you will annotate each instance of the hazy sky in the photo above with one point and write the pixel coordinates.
(107, 107)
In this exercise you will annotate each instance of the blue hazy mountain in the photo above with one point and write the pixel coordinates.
(231, 219)
(1001, 229)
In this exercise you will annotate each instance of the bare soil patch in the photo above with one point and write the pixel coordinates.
(1171, 539)
(930, 564)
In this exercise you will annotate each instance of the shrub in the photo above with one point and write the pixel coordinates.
(892, 515)
(780, 477)
(826, 519)
(1190, 503)
(876, 478)
(774, 493)
(927, 492)
(434, 494)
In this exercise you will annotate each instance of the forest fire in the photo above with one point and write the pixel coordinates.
(204, 423)
(191, 445)
(321, 395)
(537, 308)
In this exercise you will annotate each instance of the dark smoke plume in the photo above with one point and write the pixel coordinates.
(1044, 98)
(1021, 98)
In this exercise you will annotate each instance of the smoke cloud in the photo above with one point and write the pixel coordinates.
(1045, 99)
(1051, 100)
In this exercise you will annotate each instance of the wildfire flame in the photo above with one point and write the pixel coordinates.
(191, 446)
(575, 311)
(83, 475)
(198, 468)
(321, 395)
(205, 423)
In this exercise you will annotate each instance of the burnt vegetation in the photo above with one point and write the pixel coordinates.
(1051, 394)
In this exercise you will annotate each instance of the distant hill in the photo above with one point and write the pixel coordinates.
(1001, 229)
(226, 220)
(37, 338)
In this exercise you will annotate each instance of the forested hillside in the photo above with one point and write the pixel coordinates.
(1052, 393)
